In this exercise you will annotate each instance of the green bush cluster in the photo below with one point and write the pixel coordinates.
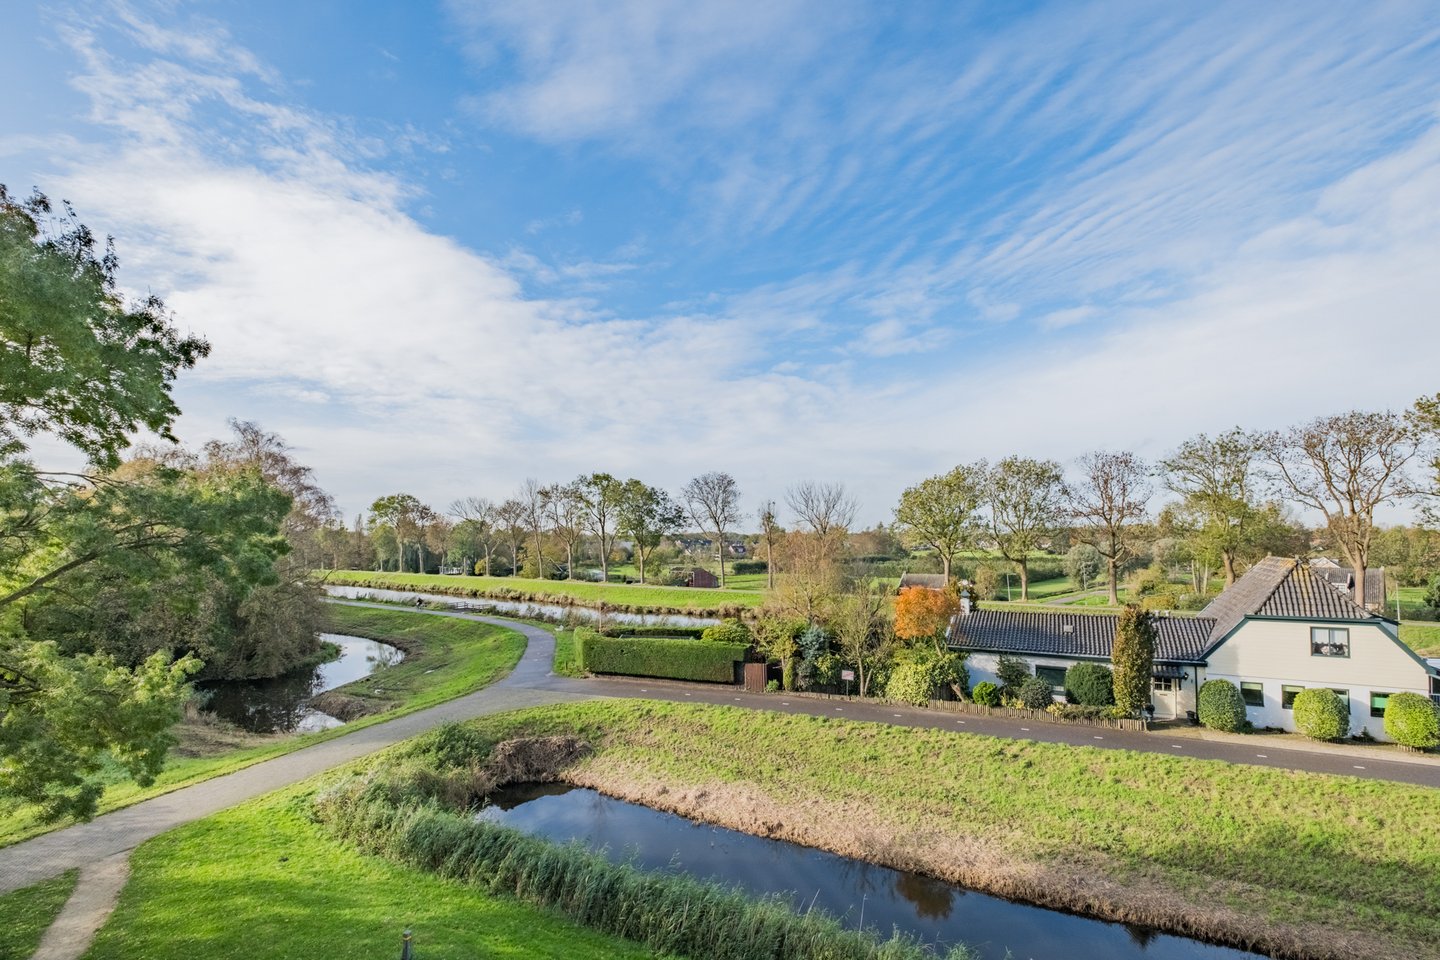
(1090, 685)
(1036, 694)
(742, 567)
(1220, 706)
(727, 631)
(1321, 713)
(670, 633)
(672, 914)
(1077, 711)
(656, 657)
(1012, 671)
(986, 694)
(1413, 720)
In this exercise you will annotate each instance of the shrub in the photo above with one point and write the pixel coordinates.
(1133, 655)
(1090, 685)
(1036, 694)
(1012, 672)
(910, 682)
(986, 694)
(1320, 713)
(1076, 711)
(742, 567)
(654, 657)
(772, 686)
(669, 633)
(1220, 706)
(728, 631)
(1413, 720)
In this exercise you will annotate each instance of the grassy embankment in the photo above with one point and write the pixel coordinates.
(1423, 638)
(263, 882)
(445, 658)
(26, 914)
(640, 598)
(1302, 864)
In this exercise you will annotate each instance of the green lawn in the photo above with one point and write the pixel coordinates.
(26, 914)
(1423, 638)
(1334, 855)
(261, 881)
(567, 659)
(449, 657)
(638, 597)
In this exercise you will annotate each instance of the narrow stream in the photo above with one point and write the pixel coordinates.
(281, 704)
(934, 911)
(552, 611)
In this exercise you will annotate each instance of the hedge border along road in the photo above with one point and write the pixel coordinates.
(702, 660)
(446, 657)
(626, 597)
(1291, 863)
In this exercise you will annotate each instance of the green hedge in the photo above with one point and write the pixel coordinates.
(1090, 685)
(669, 633)
(1321, 713)
(1413, 720)
(656, 657)
(1221, 706)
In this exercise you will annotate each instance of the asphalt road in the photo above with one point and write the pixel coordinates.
(532, 683)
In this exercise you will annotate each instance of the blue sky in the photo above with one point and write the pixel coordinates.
(443, 247)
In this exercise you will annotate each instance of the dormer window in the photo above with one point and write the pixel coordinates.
(1329, 642)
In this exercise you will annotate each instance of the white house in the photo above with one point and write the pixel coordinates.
(1280, 628)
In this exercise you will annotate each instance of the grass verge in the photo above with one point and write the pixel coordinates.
(1423, 638)
(446, 658)
(567, 655)
(640, 598)
(262, 882)
(1296, 863)
(26, 914)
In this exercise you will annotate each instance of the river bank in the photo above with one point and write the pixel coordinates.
(1289, 864)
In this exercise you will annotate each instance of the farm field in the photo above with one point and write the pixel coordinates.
(639, 596)
(445, 658)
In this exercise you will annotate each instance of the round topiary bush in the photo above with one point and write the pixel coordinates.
(1413, 720)
(1320, 713)
(1036, 694)
(1090, 685)
(986, 694)
(1220, 706)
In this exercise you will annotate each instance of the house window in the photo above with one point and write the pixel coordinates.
(1287, 696)
(1378, 703)
(1164, 684)
(1055, 676)
(1435, 689)
(1252, 693)
(1329, 642)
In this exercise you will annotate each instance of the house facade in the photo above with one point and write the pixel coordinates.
(1280, 628)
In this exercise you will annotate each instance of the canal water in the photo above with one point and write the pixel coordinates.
(518, 608)
(931, 910)
(282, 704)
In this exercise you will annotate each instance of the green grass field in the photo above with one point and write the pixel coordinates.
(1278, 846)
(637, 596)
(261, 882)
(26, 914)
(1423, 638)
(450, 657)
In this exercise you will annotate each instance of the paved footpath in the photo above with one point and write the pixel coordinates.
(532, 683)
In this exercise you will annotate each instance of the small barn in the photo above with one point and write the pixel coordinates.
(702, 578)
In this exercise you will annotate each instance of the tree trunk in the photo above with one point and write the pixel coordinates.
(945, 565)
(569, 560)
(1357, 560)
(720, 547)
(539, 558)
(604, 559)
(769, 563)
(487, 559)
(1227, 557)
(1024, 580)
(640, 558)
(1114, 586)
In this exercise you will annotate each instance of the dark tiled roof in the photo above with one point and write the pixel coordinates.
(1180, 639)
(935, 581)
(1281, 587)
(1344, 578)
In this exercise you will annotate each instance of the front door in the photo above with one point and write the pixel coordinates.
(1163, 693)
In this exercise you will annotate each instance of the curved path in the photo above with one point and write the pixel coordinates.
(532, 683)
(45, 856)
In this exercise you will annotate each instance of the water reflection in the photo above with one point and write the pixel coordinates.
(546, 611)
(281, 704)
(936, 912)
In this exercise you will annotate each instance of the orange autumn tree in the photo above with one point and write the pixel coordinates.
(924, 614)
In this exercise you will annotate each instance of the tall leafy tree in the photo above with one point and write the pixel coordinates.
(477, 514)
(600, 494)
(1215, 479)
(510, 522)
(1109, 499)
(401, 512)
(1026, 499)
(647, 516)
(942, 512)
(532, 496)
(1344, 467)
(770, 534)
(713, 502)
(565, 507)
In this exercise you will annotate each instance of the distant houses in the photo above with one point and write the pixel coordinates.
(1283, 626)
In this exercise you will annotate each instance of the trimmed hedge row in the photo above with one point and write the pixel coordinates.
(668, 633)
(656, 657)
